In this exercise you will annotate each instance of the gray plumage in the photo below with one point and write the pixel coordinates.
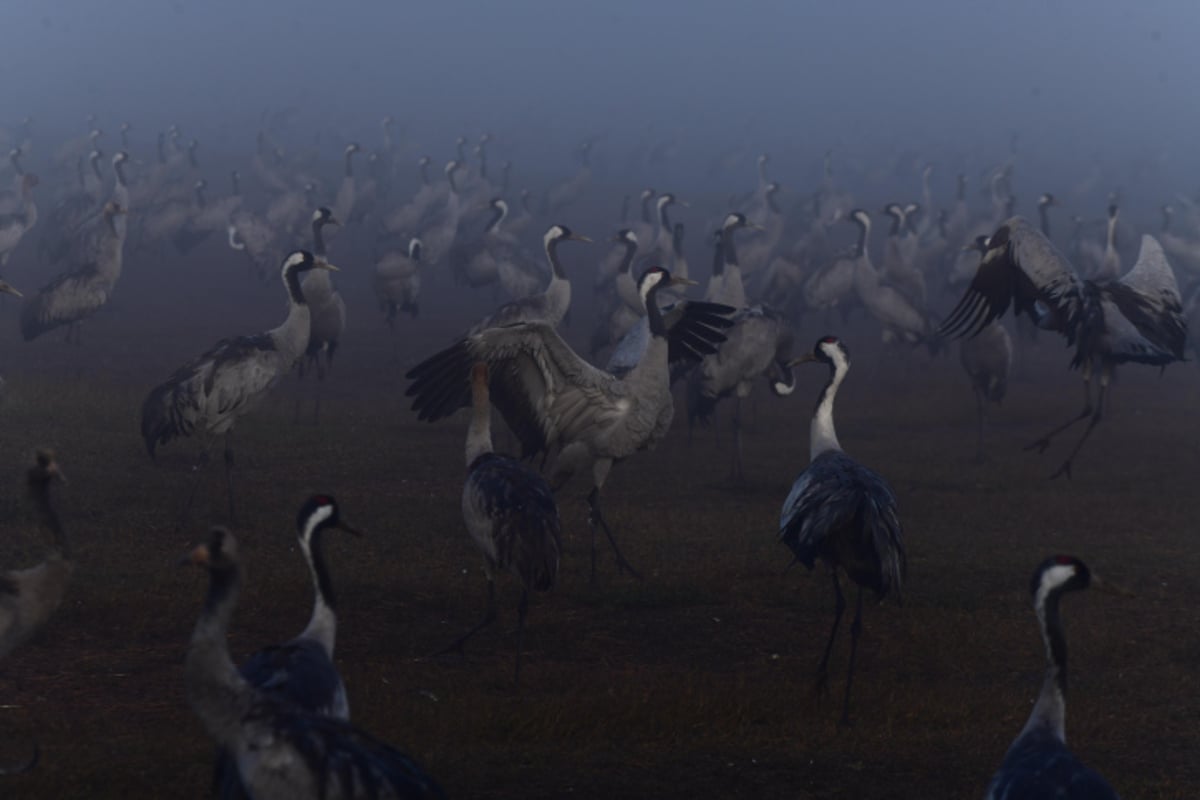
(29, 597)
(281, 751)
(397, 281)
(211, 392)
(557, 403)
(548, 306)
(842, 514)
(74, 296)
(1038, 765)
(510, 514)
(987, 359)
(758, 345)
(1138, 317)
(327, 309)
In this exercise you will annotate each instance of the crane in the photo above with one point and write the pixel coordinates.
(556, 403)
(1136, 318)
(842, 514)
(1038, 764)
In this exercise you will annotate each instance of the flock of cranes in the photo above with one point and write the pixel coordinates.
(281, 719)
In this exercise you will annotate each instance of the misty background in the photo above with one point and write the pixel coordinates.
(1080, 82)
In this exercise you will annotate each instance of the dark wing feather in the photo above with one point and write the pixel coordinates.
(1021, 267)
(694, 329)
(841, 511)
(1040, 767)
(530, 366)
(339, 755)
(525, 524)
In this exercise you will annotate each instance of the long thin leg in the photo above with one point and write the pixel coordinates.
(838, 608)
(1041, 444)
(739, 475)
(522, 610)
(197, 468)
(229, 473)
(1065, 469)
(489, 616)
(855, 631)
(596, 520)
(981, 411)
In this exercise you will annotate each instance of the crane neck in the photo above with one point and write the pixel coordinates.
(39, 488)
(647, 216)
(1050, 711)
(864, 231)
(627, 259)
(349, 163)
(319, 236)
(322, 625)
(482, 163)
(479, 432)
(1111, 234)
(119, 171)
(653, 313)
(423, 171)
(198, 192)
(822, 435)
(762, 172)
(664, 222)
(556, 268)
(216, 691)
(677, 242)
(96, 169)
(1044, 215)
(499, 213)
(15, 158)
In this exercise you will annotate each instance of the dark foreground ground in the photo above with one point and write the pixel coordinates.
(697, 680)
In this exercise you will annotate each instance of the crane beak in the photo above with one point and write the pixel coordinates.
(577, 237)
(683, 282)
(321, 263)
(1109, 588)
(348, 528)
(4, 287)
(335, 221)
(754, 226)
(804, 359)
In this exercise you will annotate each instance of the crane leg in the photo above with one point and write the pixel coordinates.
(855, 632)
(489, 616)
(981, 412)
(1041, 444)
(738, 474)
(1065, 469)
(197, 468)
(838, 609)
(229, 474)
(596, 520)
(522, 610)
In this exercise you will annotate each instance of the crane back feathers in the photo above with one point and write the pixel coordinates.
(511, 512)
(840, 511)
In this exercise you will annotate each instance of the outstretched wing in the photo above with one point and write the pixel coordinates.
(1020, 267)
(1149, 325)
(537, 382)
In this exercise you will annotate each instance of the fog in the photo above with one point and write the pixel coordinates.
(1077, 80)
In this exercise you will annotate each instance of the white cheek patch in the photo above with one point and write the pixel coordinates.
(1053, 578)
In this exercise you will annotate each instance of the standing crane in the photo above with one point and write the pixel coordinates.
(558, 404)
(281, 750)
(1138, 317)
(212, 392)
(300, 673)
(1038, 764)
(74, 296)
(842, 514)
(510, 514)
(327, 311)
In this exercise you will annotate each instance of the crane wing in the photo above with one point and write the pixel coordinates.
(1143, 311)
(532, 372)
(1021, 267)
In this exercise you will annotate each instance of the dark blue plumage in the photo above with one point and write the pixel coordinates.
(1038, 765)
(843, 514)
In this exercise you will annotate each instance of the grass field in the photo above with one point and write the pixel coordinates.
(697, 680)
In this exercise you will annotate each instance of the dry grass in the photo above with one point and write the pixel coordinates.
(695, 681)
